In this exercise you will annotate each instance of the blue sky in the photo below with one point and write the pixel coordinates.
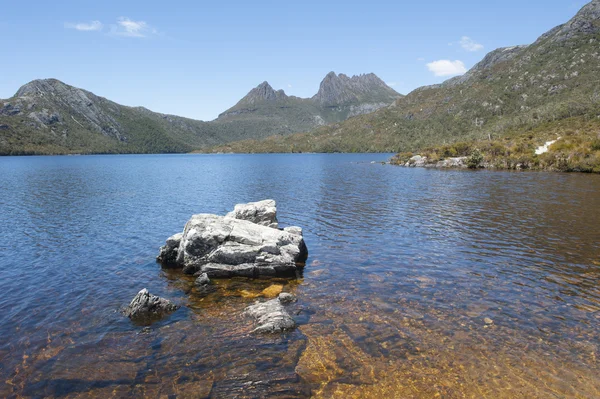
(198, 58)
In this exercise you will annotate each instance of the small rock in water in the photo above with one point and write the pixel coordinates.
(271, 317)
(272, 291)
(286, 298)
(146, 305)
(487, 320)
(202, 279)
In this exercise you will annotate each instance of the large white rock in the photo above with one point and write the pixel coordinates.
(224, 246)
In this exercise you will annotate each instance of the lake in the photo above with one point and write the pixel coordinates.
(419, 283)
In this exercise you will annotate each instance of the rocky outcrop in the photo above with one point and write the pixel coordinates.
(584, 23)
(336, 90)
(147, 306)
(457, 162)
(271, 316)
(228, 246)
(416, 161)
(10, 109)
(45, 117)
(423, 162)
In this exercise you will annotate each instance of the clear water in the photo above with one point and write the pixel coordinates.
(419, 283)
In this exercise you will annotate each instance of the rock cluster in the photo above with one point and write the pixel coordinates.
(246, 242)
(419, 161)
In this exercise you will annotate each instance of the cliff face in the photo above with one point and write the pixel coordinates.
(338, 90)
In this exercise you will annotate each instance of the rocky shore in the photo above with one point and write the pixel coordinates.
(246, 242)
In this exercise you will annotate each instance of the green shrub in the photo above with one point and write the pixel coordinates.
(475, 160)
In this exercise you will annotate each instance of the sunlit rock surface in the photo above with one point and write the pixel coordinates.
(244, 243)
(262, 212)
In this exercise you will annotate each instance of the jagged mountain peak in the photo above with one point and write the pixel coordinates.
(263, 92)
(260, 95)
(338, 89)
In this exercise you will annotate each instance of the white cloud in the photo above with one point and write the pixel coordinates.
(420, 59)
(129, 28)
(391, 84)
(469, 44)
(447, 67)
(85, 26)
(289, 85)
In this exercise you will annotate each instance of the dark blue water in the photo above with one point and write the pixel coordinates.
(446, 279)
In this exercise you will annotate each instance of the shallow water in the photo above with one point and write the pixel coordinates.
(419, 283)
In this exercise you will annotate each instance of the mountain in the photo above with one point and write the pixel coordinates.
(339, 90)
(534, 88)
(339, 98)
(50, 117)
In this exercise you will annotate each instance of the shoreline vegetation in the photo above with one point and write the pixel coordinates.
(572, 145)
(575, 147)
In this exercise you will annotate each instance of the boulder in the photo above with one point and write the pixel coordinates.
(458, 162)
(417, 161)
(227, 246)
(147, 306)
(261, 212)
(271, 316)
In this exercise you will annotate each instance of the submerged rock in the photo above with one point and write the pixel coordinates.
(286, 297)
(272, 291)
(202, 279)
(145, 305)
(203, 284)
(228, 246)
(271, 316)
